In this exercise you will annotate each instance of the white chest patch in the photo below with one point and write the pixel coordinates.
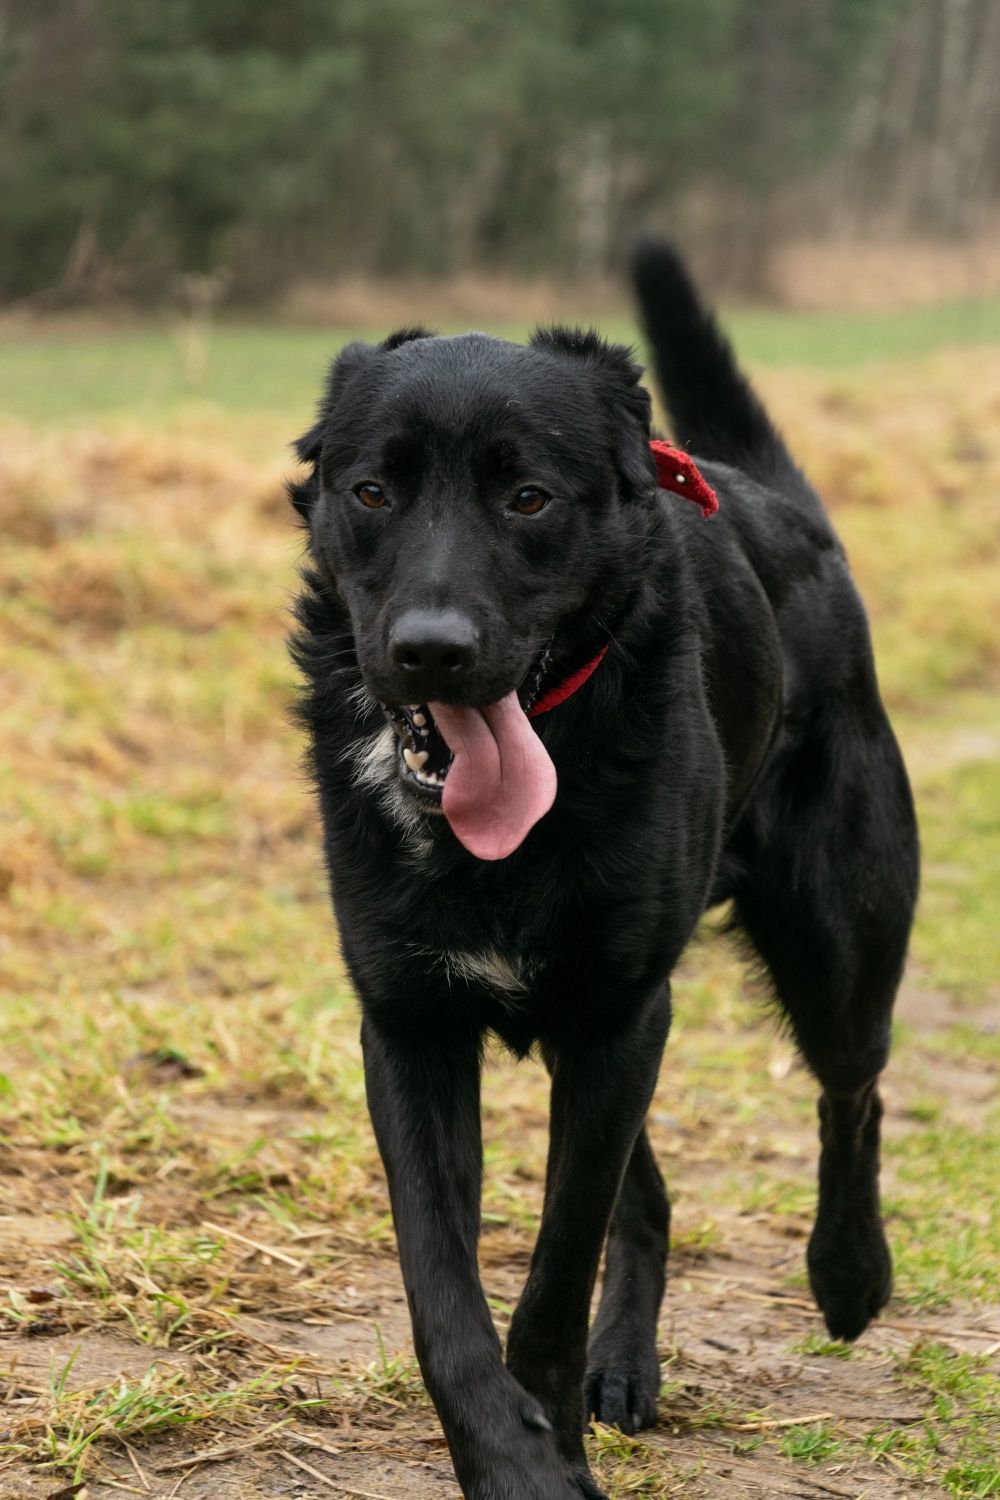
(489, 968)
(508, 978)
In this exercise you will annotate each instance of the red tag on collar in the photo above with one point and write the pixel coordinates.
(676, 471)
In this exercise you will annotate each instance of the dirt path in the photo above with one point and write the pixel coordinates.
(727, 1339)
(746, 1410)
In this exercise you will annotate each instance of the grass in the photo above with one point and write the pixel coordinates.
(815, 1444)
(72, 1421)
(824, 1348)
(139, 371)
(957, 1441)
(961, 820)
(189, 1179)
(948, 1212)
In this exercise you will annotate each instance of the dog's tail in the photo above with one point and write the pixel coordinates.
(714, 411)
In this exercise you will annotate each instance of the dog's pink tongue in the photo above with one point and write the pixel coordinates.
(501, 780)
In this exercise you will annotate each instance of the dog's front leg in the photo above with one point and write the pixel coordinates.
(601, 1088)
(424, 1102)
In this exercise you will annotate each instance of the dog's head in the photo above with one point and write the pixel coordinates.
(473, 501)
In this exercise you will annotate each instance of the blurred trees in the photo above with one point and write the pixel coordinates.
(140, 139)
(925, 144)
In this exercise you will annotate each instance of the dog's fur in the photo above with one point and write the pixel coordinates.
(732, 747)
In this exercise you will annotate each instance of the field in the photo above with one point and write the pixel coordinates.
(197, 1271)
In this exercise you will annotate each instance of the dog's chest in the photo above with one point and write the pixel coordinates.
(506, 931)
(507, 975)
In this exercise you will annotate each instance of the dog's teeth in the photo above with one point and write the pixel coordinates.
(420, 720)
(428, 778)
(414, 758)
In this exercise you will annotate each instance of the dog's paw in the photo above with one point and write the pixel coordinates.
(586, 1485)
(561, 1482)
(622, 1392)
(518, 1457)
(850, 1272)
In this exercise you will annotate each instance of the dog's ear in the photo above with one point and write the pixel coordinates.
(305, 492)
(617, 378)
(406, 336)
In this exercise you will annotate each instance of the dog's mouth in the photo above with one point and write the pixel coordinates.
(422, 757)
(483, 767)
(422, 754)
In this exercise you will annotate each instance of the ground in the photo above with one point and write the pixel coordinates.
(200, 1293)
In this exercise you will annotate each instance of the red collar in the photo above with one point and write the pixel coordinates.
(567, 688)
(677, 472)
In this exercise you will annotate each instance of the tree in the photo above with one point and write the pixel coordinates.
(140, 139)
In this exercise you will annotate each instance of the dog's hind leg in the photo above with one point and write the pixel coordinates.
(829, 853)
(623, 1368)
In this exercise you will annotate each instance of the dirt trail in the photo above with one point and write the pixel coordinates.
(727, 1342)
(736, 1380)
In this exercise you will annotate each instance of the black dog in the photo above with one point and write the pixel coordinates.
(487, 539)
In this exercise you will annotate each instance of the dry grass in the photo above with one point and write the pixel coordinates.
(890, 271)
(195, 1232)
(908, 459)
(837, 274)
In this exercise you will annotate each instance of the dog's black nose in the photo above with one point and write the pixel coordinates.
(440, 645)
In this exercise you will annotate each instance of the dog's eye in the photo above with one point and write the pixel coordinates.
(370, 494)
(528, 502)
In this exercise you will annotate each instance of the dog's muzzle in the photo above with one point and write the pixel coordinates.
(423, 758)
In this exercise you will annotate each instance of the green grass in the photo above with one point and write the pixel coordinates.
(140, 371)
(960, 818)
(957, 1442)
(953, 1444)
(814, 1444)
(160, 1401)
(945, 1218)
(824, 1348)
(847, 341)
